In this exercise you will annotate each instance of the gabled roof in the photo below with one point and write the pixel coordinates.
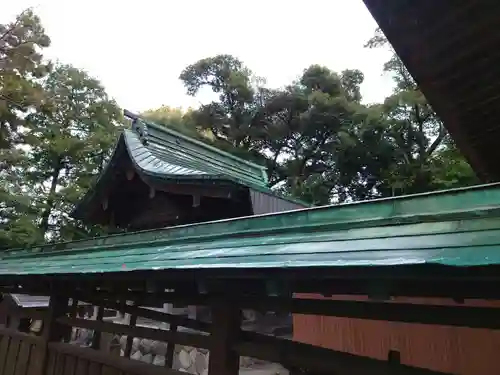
(29, 301)
(160, 153)
(458, 227)
(26, 301)
(450, 47)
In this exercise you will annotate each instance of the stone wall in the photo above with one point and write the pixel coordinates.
(189, 359)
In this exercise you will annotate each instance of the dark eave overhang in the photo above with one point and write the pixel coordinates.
(452, 49)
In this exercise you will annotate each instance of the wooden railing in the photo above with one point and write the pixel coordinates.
(23, 354)
(20, 353)
(66, 359)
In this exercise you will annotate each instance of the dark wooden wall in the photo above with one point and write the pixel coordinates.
(456, 350)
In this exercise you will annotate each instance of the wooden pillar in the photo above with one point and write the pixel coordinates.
(226, 323)
(73, 314)
(52, 331)
(96, 339)
(169, 356)
(132, 320)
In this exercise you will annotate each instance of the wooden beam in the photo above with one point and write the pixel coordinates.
(459, 316)
(201, 190)
(298, 355)
(159, 316)
(226, 319)
(182, 338)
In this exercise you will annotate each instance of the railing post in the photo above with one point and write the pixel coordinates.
(52, 331)
(226, 326)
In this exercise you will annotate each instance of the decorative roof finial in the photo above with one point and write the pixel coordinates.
(138, 126)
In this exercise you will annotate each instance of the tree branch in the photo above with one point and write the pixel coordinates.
(437, 141)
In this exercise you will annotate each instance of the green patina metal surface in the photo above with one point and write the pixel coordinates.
(454, 228)
(164, 152)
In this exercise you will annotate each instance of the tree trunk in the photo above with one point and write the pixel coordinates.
(54, 179)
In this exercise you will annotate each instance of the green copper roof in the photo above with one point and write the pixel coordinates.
(161, 151)
(454, 228)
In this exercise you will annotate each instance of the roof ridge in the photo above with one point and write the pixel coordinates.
(186, 138)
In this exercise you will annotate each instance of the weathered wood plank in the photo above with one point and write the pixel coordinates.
(23, 361)
(122, 364)
(51, 363)
(182, 338)
(94, 368)
(59, 365)
(10, 363)
(37, 358)
(108, 370)
(20, 335)
(82, 367)
(4, 347)
(69, 365)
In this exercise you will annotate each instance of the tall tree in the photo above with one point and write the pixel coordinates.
(421, 145)
(69, 145)
(297, 131)
(21, 68)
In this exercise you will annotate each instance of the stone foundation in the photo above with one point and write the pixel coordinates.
(189, 359)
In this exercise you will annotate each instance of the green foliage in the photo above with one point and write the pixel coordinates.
(319, 141)
(21, 68)
(69, 145)
(424, 158)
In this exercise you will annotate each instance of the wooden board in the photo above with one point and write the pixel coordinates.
(10, 364)
(23, 360)
(82, 367)
(4, 347)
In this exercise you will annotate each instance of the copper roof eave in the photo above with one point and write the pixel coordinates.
(435, 42)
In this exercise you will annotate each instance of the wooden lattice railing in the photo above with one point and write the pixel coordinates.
(20, 353)
(23, 354)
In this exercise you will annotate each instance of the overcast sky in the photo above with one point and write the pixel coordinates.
(138, 48)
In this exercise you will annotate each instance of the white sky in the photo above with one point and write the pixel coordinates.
(138, 49)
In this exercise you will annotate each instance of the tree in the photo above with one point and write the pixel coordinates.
(310, 126)
(297, 131)
(21, 67)
(69, 145)
(421, 145)
(178, 120)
